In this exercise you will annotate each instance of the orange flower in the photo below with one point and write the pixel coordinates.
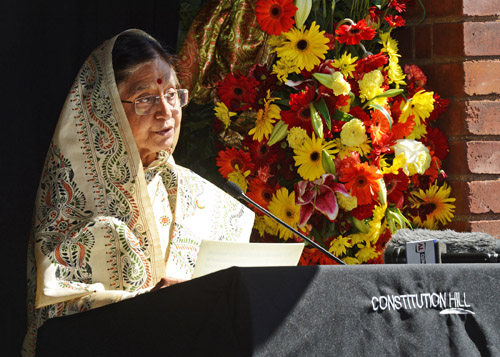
(402, 130)
(231, 160)
(260, 192)
(275, 16)
(361, 180)
(379, 126)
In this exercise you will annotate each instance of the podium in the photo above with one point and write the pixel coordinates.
(379, 310)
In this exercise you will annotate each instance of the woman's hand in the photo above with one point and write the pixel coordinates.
(166, 281)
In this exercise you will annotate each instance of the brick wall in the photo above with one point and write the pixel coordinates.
(458, 48)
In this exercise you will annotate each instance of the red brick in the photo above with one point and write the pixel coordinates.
(452, 121)
(482, 197)
(483, 157)
(448, 40)
(461, 192)
(423, 41)
(491, 227)
(481, 38)
(481, 77)
(482, 117)
(433, 8)
(459, 226)
(481, 7)
(404, 36)
(445, 79)
(477, 157)
(455, 163)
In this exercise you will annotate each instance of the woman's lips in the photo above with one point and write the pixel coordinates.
(163, 131)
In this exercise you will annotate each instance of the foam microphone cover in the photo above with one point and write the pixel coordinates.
(456, 242)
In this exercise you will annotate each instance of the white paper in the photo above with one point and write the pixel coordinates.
(215, 255)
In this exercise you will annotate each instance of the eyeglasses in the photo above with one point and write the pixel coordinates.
(145, 105)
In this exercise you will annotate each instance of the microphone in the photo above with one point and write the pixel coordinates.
(445, 246)
(236, 191)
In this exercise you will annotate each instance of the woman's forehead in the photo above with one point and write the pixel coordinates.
(150, 75)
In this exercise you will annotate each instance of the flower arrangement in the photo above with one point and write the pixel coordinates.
(336, 138)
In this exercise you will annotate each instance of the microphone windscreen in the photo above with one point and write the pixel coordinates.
(456, 242)
(233, 189)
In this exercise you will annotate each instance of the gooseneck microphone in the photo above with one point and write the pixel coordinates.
(235, 191)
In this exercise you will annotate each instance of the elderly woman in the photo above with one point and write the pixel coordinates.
(114, 215)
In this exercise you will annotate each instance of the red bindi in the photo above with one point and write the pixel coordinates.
(159, 81)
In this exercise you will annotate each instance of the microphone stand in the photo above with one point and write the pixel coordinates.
(235, 191)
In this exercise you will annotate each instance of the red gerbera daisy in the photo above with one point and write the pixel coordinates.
(261, 153)
(228, 159)
(353, 34)
(275, 16)
(361, 180)
(300, 112)
(437, 142)
(237, 91)
(260, 192)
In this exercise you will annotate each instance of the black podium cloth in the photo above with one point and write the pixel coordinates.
(377, 310)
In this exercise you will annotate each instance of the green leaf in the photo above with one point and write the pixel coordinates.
(316, 121)
(340, 115)
(327, 162)
(280, 132)
(383, 111)
(325, 113)
(324, 79)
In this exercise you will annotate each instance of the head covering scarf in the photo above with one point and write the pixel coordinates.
(105, 228)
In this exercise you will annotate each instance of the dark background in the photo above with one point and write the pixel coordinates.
(43, 45)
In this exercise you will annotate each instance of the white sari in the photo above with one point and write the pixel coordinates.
(104, 227)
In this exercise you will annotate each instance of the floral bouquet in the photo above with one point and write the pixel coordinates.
(335, 138)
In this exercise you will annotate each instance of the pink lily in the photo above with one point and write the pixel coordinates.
(320, 195)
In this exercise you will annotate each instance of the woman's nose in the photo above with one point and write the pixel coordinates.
(164, 108)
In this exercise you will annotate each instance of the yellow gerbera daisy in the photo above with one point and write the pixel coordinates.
(346, 64)
(283, 206)
(304, 47)
(434, 205)
(308, 157)
(223, 114)
(420, 105)
(265, 119)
